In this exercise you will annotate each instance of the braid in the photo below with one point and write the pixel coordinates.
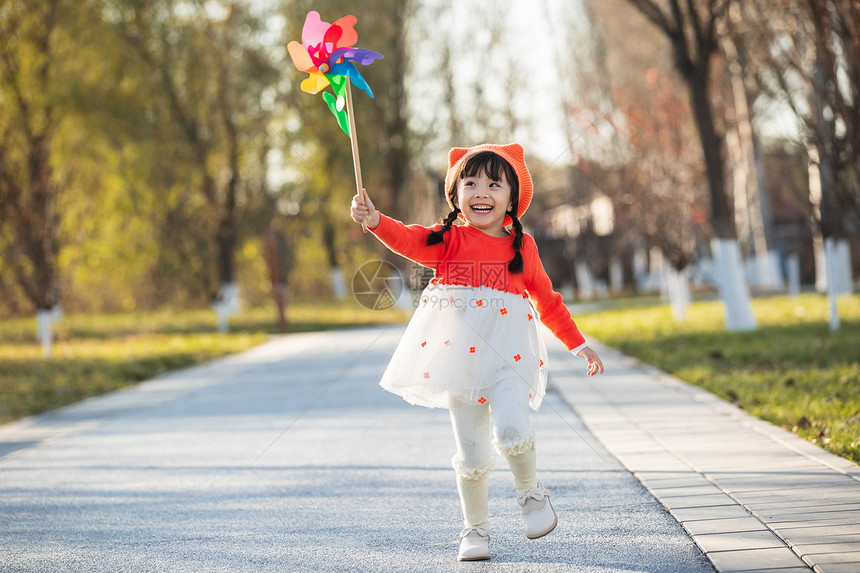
(436, 237)
(516, 263)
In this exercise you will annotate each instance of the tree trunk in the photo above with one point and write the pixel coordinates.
(273, 244)
(750, 189)
(616, 276)
(830, 270)
(732, 286)
(37, 223)
(585, 281)
(338, 281)
(722, 214)
(826, 217)
(729, 266)
(45, 330)
(793, 264)
(227, 241)
(28, 197)
(692, 31)
(679, 291)
(845, 279)
(396, 155)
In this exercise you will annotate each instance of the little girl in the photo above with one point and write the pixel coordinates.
(472, 345)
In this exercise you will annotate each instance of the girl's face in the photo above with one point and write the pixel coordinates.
(484, 202)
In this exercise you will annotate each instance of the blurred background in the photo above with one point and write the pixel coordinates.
(160, 154)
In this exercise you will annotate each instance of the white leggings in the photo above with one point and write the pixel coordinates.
(508, 400)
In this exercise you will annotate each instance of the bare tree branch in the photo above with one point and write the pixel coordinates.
(696, 20)
(653, 12)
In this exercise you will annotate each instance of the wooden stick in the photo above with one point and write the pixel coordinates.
(353, 137)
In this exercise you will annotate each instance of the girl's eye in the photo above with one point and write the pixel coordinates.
(494, 184)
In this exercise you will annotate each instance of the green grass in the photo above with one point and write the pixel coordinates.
(791, 371)
(94, 354)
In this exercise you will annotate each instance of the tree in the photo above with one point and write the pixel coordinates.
(752, 204)
(213, 73)
(808, 57)
(29, 186)
(661, 189)
(692, 30)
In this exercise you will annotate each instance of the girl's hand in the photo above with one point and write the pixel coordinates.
(595, 365)
(362, 211)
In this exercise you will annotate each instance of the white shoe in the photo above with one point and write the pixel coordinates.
(538, 513)
(475, 543)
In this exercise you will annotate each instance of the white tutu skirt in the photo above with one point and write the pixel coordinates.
(462, 340)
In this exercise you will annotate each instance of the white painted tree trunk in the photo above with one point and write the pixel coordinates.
(793, 274)
(616, 276)
(820, 265)
(733, 289)
(640, 269)
(655, 271)
(830, 273)
(664, 284)
(838, 274)
(705, 271)
(226, 305)
(338, 283)
(815, 194)
(45, 330)
(766, 272)
(234, 301)
(679, 292)
(221, 316)
(585, 282)
(842, 267)
(751, 271)
(751, 202)
(775, 265)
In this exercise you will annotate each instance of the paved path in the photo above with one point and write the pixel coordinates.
(290, 458)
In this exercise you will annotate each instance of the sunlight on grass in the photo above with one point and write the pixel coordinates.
(791, 371)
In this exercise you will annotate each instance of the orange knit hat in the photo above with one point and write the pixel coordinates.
(512, 153)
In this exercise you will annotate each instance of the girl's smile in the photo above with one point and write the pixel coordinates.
(484, 202)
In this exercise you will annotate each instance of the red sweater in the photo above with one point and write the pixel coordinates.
(470, 257)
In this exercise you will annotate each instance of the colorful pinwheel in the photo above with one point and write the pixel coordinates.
(328, 56)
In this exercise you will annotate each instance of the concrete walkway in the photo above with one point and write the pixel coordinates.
(753, 496)
(290, 458)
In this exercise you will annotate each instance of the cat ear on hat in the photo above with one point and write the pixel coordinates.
(516, 150)
(456, 154)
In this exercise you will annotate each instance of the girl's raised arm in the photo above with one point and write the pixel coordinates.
(409, 241)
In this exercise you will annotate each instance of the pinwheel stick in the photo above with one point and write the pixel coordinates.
(353, 137)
